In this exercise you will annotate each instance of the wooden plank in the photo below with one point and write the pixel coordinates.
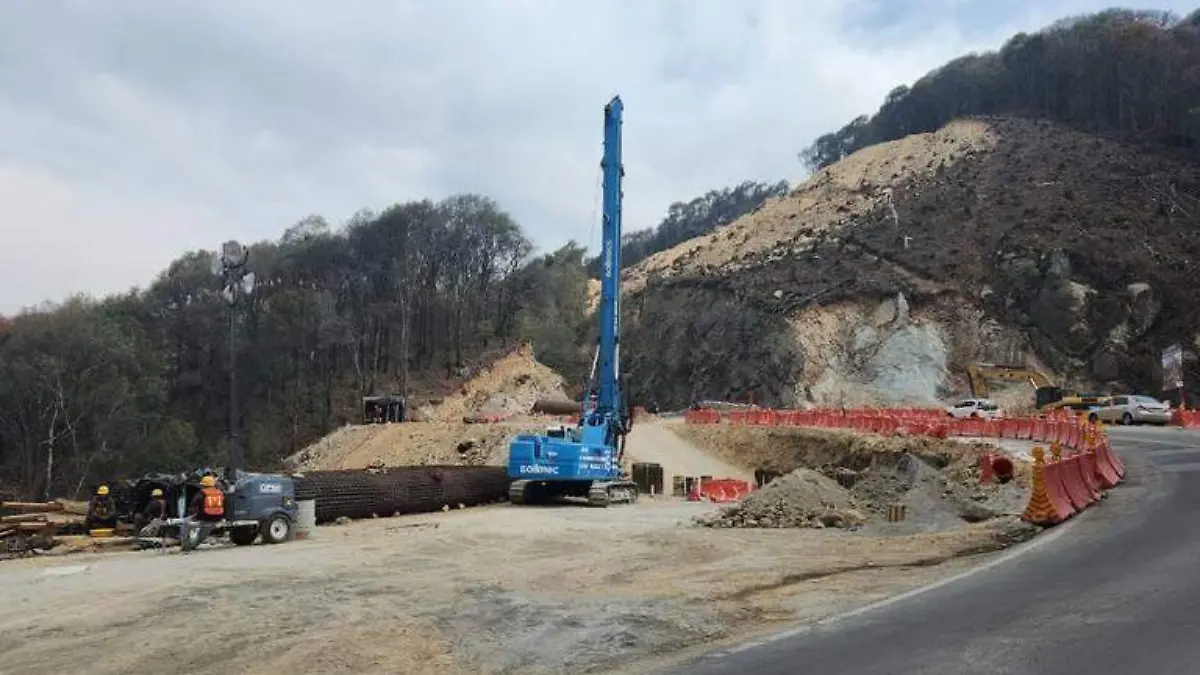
(32, 507)
(24, 518)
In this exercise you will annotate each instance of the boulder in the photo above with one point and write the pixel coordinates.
(1060, 312)
(1144, 307)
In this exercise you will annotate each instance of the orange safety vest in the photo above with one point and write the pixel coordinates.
(214, 502)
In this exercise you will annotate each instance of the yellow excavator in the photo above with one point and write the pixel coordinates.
(1046, 396)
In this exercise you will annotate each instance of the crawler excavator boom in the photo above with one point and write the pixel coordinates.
(1045, 396)
(585, 460)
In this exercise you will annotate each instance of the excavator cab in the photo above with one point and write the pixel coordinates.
(1044, 396)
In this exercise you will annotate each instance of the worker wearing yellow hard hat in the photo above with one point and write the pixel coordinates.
(209, 503)
(149, 519)
(206, 507)
(102, 511)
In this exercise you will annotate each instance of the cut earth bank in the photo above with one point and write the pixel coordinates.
(504, 589)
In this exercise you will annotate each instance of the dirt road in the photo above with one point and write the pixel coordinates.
(497, 589)
(492, 590)
(655, 442)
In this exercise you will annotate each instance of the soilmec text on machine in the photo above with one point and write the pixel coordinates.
(584, 460)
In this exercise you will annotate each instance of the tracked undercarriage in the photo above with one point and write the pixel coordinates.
(598, 493)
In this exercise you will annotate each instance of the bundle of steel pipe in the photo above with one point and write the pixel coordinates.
(357, 493)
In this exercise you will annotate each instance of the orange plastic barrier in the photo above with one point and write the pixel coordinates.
(1186, 418)
(1056, 485)
(1087, 476)
(1109, 467)
(1080, 478)
(720, 490)
(1064, 471)
(1048, 505)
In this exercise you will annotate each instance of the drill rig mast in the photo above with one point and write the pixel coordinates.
(585, 460)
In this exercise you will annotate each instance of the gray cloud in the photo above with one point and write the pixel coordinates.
(134, 130)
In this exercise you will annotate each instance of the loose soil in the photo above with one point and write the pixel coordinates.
(443, 431)
(843, 479)
(408, 443)
(507, 386)
(498, 589)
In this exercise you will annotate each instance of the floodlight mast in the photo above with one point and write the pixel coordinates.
(230, 264)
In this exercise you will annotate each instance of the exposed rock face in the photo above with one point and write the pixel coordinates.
(1144, 307)
(1060, 310)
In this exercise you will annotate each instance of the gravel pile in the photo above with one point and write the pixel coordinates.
(802, 498)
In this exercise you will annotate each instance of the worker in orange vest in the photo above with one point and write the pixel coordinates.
(206, 508)
(209, 503)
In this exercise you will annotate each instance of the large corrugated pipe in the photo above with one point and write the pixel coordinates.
(357, 493)
(555, 407)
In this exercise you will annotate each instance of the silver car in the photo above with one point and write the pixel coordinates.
(1134, 409)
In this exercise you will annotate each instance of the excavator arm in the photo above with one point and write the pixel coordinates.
(980, 373)
(1046, 395)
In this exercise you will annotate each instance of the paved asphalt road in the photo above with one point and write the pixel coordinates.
(1117, 592)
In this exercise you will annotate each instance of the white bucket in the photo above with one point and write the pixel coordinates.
(306, 517)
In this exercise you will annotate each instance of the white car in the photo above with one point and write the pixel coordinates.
(1134, 409)
(981, 408)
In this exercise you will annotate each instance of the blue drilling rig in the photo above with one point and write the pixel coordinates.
(584, 460)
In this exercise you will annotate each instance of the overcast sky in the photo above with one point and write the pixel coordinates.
(132, 131)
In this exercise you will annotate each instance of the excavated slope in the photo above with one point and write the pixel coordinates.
(883, 275)
(441, 434)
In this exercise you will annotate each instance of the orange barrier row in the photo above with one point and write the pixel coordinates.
(1064, 486)
(1061, 487)
(1189, 419)
(1058, 428)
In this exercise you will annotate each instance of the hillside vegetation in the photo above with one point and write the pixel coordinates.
(416, 300)
(411, 300)
(685, 220)
(1005, 238)
(1129, 71)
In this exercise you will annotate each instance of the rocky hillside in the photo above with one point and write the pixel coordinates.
(881, 276)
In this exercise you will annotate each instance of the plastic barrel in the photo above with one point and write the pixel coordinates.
(306, 517)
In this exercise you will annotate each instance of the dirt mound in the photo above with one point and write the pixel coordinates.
(408, 443)
(784, 449)
(508, 386)
(842, 479)
(803, 498)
